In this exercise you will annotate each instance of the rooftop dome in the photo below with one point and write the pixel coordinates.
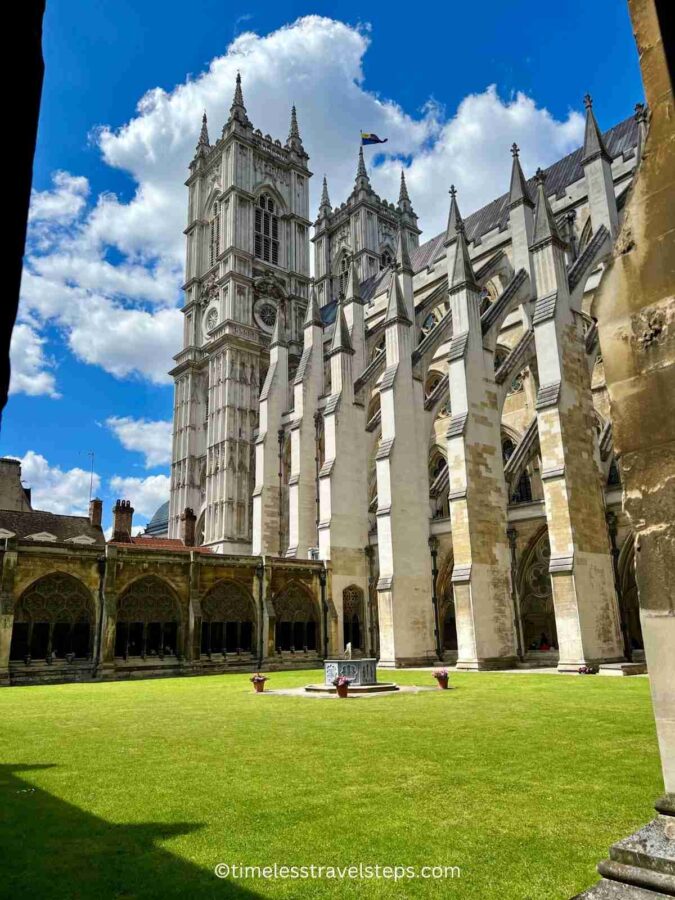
(158, 526)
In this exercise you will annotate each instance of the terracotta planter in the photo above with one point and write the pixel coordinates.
(443, 683)
(259, 686)
(342, 690)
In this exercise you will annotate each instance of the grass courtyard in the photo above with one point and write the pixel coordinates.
(138, 789)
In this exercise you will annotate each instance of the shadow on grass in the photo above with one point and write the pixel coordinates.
(51, 848)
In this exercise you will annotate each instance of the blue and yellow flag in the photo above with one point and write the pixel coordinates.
(368, 138)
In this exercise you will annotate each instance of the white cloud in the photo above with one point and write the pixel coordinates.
(145, 494)
(153, 439)
(30, 368)
(56, 490)
(64, 202)
(119, 310)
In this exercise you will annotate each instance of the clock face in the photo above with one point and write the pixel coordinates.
(266, 314)
(211, 319)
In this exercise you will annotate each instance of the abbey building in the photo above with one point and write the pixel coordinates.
(429, 419)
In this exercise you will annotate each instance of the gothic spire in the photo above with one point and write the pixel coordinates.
(341, 342)
(402, 254)
(294, 141)
(325, 208)
(404, 203)
(462, 273)
(204, 133)
(396, 310)
(353, 284)
(454, 217)
(313, 313)
(362, 181)
(545, 227)
(238, 110)
(518, 191)
(594, 146)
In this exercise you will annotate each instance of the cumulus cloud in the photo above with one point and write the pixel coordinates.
(152, 439)
(31, 370)
(145, 494)
(123, 315)
(56, 490)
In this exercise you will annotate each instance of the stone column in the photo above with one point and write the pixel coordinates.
(404, 588)
(586, 609)
(636, 319)
(273, 402)
(7, 601)
(481, 573)
(307, 388)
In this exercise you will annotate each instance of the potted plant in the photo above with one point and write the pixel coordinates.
(441, 676)
(258, 681)
(588, 670)
(341, 685)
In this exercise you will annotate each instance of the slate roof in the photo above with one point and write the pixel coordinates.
(36, 521)
(141, 542)
(621, 140)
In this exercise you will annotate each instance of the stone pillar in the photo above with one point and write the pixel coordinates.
(273, 402)
(7, 602)
(481, 573)
(636, 319)
(586, 610)
(302, 486)
(404, 588)
(343, 526)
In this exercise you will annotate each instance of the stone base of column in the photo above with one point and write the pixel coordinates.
(566, 665)
(642, 866)
(487, 664)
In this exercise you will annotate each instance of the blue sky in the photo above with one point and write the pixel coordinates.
(98, 318)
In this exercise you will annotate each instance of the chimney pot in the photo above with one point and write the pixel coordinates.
(188, 522)
(123, 515)
(95, 512)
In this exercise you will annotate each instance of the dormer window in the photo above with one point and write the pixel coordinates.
(266, 230)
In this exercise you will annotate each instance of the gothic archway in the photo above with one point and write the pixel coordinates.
(148, 620)
(54, 618)
(353, 616)
(446, 607)
(296, 617)
(228, 620)
(537, 613)
(630, 603)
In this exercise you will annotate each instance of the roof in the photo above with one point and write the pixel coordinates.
(173, 545)
(619, 140)
(37, 521)
(159, 523)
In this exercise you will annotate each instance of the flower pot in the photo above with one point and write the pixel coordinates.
(259, 686)
(443, 683)
(342, 690)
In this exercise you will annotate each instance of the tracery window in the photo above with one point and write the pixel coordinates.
(296, 620)
(53, 619)
(343, 275)
(147, 620)
(227, 620)
(214, 235)
(267, 230)
(352, 613)
(386, 259)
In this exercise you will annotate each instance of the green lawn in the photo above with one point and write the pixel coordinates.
(139, 789)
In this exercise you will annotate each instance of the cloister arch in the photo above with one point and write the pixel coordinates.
(229, 620)
(537, 613)
(628, 594)
(53, 618)
(353, 616)
(446, 606)
(149, 620)
(296, 619)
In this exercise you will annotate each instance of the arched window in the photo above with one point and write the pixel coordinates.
(507, 449)
(343, 275)
(352, 613)
(523, 491)
(147, 620)
(214, 235)
(386, 258)
(378, 348)
(228, 619)
(53, 618)
(536, 605)
(296, 620)
(266, 230)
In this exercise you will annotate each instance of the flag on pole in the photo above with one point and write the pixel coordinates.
(368, 138)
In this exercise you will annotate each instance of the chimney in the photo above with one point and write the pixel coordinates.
(95, 512)
(188, 522)
(123, 514)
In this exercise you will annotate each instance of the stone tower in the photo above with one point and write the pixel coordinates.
(366, 228)
(247, 262)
